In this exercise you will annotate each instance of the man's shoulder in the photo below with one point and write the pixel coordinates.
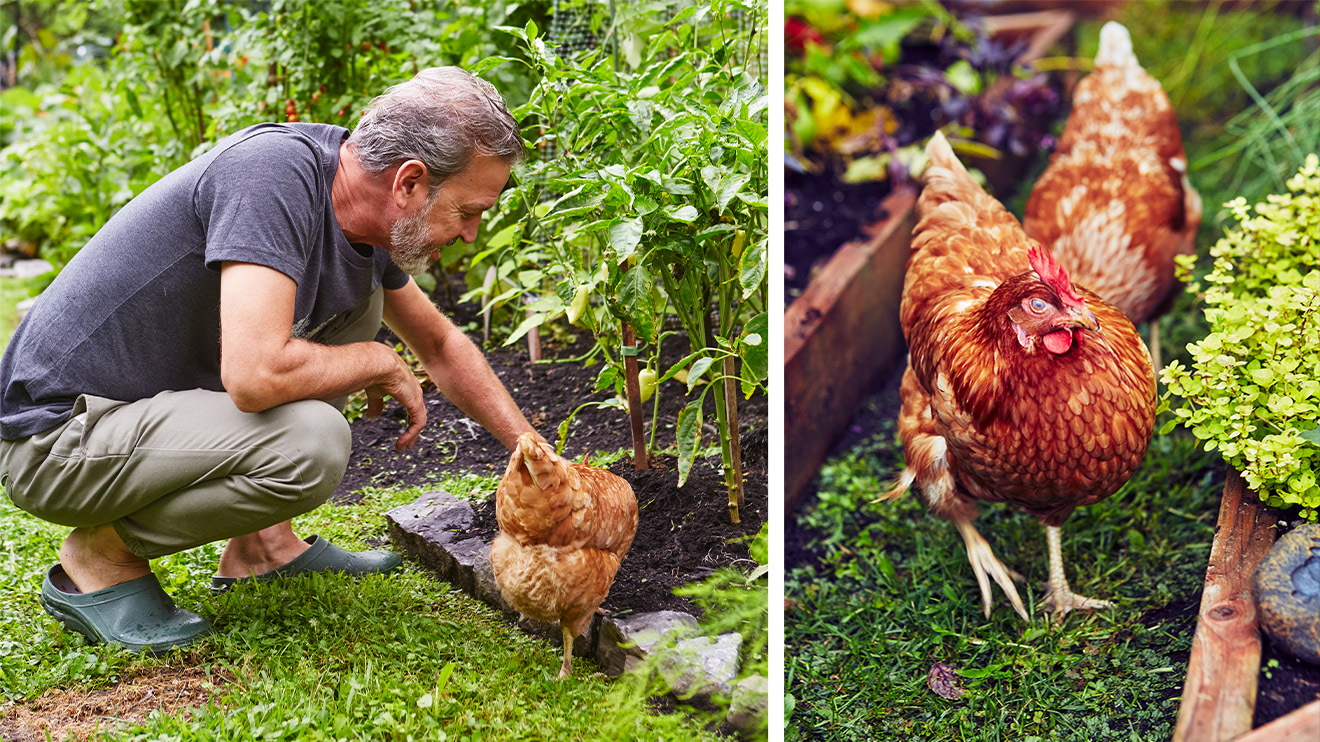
(281, 143)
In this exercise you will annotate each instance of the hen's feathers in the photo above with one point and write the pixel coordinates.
(1115, 205)
(564, 530)
(988, 413)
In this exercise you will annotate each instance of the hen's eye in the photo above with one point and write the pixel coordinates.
(1038, 305)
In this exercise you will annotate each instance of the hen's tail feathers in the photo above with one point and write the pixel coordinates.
(1116, 47)
(899, 486)
(940, 154)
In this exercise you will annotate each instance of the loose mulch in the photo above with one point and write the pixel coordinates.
(684, 533)
(80, 714)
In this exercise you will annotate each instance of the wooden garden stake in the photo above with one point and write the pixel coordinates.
(1302, 725)
(634, 396)
(1219, 696)
(735, 484)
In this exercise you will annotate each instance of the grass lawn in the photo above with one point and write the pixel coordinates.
(321, 657)
(889, 593)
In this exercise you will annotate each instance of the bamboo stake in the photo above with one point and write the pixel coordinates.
(733, 476)
(634, 399)
(1219, 696)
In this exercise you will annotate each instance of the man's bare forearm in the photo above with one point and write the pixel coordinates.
(454, 363)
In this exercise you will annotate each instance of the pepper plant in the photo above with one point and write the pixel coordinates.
(1253, 390)
(653, 208)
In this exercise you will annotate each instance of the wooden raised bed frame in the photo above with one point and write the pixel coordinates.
(842, 333)
(1219, 695)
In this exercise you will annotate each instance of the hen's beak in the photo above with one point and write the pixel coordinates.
(1079, 318)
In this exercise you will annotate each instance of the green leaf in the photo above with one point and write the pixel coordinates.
(753, 348)
(699, 367)
(686, 213)
(625, 234)
(752, 268)
(689, 438)
(1312, 435)
(533, 321)
(635, 303)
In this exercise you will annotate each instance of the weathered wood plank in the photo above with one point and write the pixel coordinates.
(1220, 693)
(838, 335)
(1302, 725)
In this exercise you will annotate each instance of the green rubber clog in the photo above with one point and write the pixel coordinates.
(137, 614)
(322, 556)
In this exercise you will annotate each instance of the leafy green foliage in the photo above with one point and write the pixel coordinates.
(70, 176)
(655, 199)
(1253, 390)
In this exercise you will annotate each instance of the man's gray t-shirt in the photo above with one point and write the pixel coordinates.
(137, 311)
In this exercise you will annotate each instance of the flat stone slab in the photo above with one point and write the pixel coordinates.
(430, 530)
(1287, 590)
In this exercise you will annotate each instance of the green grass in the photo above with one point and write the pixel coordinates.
(891, 593)
(325, 657)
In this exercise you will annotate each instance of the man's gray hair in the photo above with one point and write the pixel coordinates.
(443, 117)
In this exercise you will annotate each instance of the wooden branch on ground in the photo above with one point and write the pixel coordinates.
(1219, 696)
(1302, 725)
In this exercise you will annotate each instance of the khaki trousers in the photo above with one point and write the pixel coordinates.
(185, 468)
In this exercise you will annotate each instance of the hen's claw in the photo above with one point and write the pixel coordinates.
(987, 566)
(1060, 596)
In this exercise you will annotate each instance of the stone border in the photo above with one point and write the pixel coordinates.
(696, 668)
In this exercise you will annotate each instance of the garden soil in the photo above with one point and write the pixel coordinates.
(684, 533)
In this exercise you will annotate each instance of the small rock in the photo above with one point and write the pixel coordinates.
(701, 666)
(749, 706)
(423, 528)
(625, 640)
(1287, 591)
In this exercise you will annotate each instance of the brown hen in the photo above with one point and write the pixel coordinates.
(1020, 387)
(564, 529)
(1115, 205)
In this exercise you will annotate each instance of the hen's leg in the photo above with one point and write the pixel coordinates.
(1060, 596)
(987, 566)
(566, 669)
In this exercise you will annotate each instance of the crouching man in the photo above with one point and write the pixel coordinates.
(180, 381)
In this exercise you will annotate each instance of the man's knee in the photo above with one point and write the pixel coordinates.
(319, 442)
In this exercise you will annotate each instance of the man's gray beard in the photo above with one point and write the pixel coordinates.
(411, 237)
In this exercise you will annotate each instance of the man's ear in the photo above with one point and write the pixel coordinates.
(410, 185)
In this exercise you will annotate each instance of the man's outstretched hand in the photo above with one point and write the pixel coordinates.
(404, 387)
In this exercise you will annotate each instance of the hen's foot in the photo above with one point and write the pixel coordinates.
(987, 566)
(1062, 601)
(1060, 596)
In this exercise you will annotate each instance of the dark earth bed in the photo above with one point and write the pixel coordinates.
(684, 534)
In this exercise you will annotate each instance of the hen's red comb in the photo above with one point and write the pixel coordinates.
(1042, 261)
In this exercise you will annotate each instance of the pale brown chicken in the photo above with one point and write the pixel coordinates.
(564, 529)
(1115, 205)
(1021, 387)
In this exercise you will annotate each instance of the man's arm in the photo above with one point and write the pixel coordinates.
(454, 363)
(262, 367)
